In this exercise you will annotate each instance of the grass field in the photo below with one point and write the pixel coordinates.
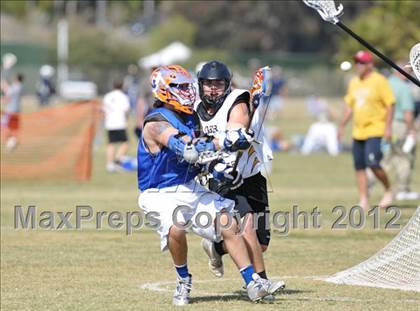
(106, 269)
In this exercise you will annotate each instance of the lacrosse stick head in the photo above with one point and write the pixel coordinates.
(415, 60)
(261, 85)
(327, 9)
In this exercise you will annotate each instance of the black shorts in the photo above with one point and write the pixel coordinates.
(367, 153)
(117, 136)
(251, 197)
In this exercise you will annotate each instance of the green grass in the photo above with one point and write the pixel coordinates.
(106, 269)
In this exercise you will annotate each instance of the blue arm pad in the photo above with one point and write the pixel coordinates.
(177, 145)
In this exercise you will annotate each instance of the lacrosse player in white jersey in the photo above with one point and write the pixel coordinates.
(224, 115)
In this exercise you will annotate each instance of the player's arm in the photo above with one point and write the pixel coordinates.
(160, 133)
(239, 116)
(236, 137)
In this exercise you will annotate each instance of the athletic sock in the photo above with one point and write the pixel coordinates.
(182, 270)
(247, 273)
(263, 274)
(218, 246)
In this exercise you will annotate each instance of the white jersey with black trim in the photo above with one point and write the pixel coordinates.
(253, 158)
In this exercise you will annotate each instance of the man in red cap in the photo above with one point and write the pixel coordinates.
(369, 100)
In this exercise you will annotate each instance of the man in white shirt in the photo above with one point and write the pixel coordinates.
(116, 106)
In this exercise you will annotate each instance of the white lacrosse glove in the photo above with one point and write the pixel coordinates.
(234, 140)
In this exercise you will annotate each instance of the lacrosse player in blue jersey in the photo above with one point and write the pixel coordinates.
(166, 173)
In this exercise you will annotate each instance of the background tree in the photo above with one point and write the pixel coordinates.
(392, 27)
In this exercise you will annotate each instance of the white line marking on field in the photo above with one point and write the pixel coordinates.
(162, 287)
(157, 286)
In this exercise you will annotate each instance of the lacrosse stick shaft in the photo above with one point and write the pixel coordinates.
(239, 154)
(379, 54)
(263, 74)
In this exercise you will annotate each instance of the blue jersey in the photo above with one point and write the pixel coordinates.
(164, 168)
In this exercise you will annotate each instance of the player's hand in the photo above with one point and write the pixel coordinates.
(203, 144)
(239, 139)
(225, 174)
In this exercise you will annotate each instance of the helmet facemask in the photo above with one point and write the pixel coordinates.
(182, 94)
(214, 101)
(214, 71)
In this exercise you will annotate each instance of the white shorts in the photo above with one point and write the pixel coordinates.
(183, 203)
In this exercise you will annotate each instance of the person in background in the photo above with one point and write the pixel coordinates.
(12, 97)
(45, 87)
(279, 92)
(145, 97)
(116, 106)
(321, 134)
(277, 140)
(131, 85)
(369, 100)
(402, 152)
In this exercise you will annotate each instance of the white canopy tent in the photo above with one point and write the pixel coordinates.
(173, 53)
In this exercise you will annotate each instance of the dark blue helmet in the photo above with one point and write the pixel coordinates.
(214, 70)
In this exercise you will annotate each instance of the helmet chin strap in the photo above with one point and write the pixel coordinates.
(211, 104)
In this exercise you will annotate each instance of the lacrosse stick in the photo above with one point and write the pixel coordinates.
(206, 157)
(415, 60)
(329, 13)
(260, 91)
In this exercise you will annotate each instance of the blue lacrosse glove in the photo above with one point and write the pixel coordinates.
(234, 140)
(224, 174)
(203, 144)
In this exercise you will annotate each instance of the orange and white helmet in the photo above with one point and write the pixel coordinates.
(173, 85)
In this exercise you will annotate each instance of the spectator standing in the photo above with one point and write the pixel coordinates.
(116, 106)
(402, 152)
(369, 101)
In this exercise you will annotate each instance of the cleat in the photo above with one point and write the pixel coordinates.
(269, 298)
(272, 288)
(275, 286)
(215, 260)
(256, 289)
(182, 291)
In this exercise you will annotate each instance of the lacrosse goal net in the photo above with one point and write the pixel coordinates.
(396, 266)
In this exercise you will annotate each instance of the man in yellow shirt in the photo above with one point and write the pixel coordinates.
(369, 100)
